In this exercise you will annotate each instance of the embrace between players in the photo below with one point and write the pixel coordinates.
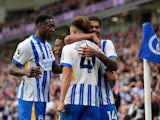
(87, 66)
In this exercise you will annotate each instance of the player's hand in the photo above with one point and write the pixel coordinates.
(34, 72)
(96, 40)
(111, 75)
(87, 51)
(60, 107)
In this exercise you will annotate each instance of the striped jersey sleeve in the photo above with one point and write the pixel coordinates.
(108, 48)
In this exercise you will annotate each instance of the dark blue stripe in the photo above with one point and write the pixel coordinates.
(66, 64)
(38, 89)
(54, 62)
(46, 50)
(35, 53)
(107, 89)
(22, 90)
(73, 94)
(50, 75)
(16, 62)
(103, 46)
(40, 47)
(44, 83)
(81, 94)
(37, 63)
(50, 50)
(100, 88)
(89, 95)
(107, 69)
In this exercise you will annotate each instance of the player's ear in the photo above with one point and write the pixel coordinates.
(74, 31)
(39, 25)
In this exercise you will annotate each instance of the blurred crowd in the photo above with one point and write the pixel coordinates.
(19, 19)
(128, 91)
(130, 83)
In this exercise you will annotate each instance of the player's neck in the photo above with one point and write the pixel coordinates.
(40, 37)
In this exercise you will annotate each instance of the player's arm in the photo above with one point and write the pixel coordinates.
(66, 79)
(56, 69)
(78, 37)
(110, 63)
(20, 58)
(20, 71)
(111, 78)
(88, 51)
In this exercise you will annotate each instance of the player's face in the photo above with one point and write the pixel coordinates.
(58, 48)
(95, 28)
(47, 29)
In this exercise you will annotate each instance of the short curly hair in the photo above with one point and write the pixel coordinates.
(42, 18)
(82, 23)
(94, 18)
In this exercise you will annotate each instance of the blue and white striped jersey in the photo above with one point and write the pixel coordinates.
(83, 89)
(105, 94)
(34, 52)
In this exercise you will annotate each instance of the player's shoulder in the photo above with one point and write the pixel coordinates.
(25, 43)
(68, 46)
(106, 40)
(48, 44)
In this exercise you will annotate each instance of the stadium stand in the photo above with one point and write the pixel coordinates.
(123, 28)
